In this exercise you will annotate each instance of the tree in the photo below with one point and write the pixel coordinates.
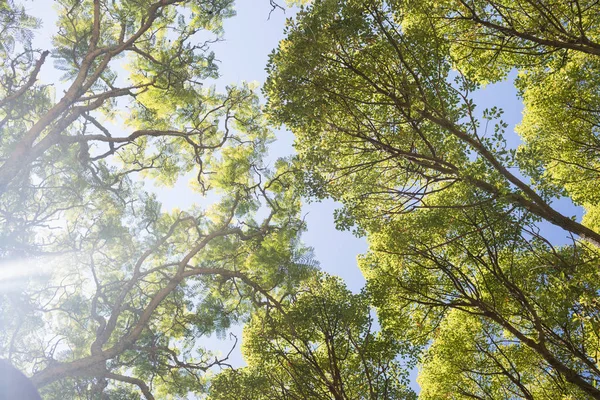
(555, 46)
(158, 120)
(134, 309)
(320, 344)
(378, 95)
(102, 293)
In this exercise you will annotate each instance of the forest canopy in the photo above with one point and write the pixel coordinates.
(379, 95)
(478, 279)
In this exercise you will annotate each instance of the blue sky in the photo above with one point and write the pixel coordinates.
(248, 40)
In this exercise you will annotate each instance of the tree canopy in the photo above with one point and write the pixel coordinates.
(106, 295)
(379, 96)
(103, 293)
(321, 345)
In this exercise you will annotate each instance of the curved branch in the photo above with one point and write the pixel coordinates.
(134, 381)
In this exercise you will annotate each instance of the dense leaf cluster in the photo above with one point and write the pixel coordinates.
(379, 95)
